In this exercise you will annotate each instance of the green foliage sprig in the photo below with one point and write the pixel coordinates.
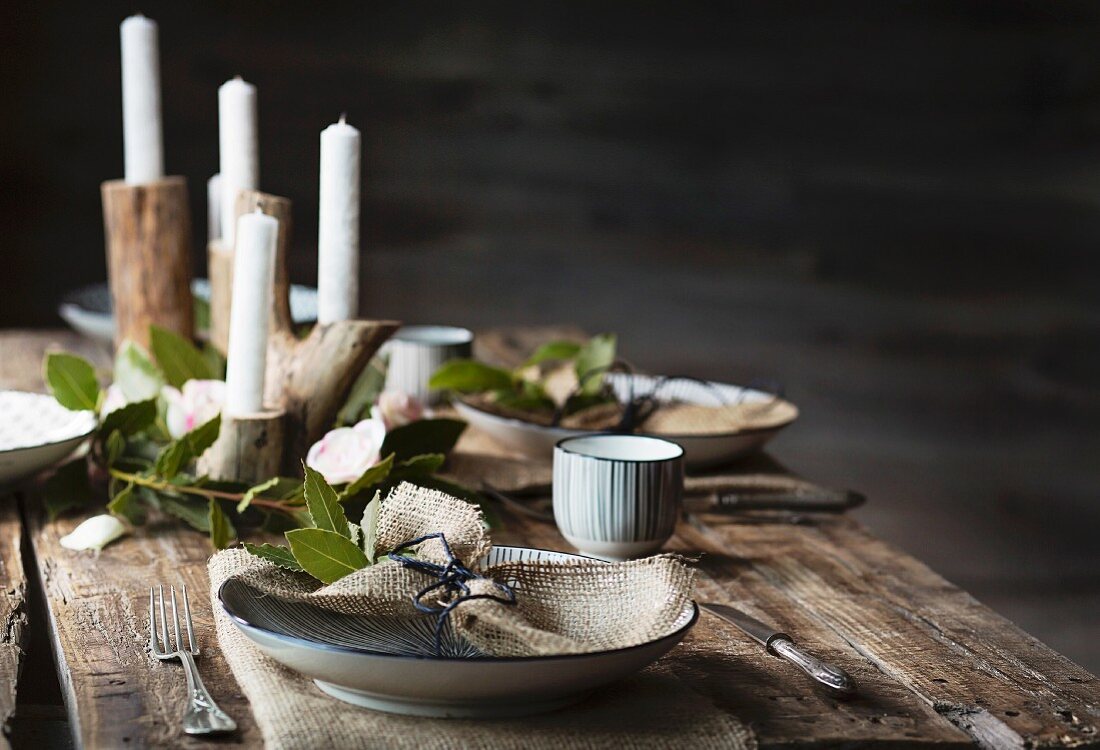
(524, 388)
(145, 468)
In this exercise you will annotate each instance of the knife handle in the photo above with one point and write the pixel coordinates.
(834, 678)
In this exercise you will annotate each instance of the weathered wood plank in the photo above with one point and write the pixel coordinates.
(833, 582)
(117, 694)
(13, 616)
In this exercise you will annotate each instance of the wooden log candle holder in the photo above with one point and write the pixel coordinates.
(307, 379)
(249, 448)
(148, 238)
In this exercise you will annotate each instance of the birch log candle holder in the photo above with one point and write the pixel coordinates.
(148, 238)
(307, 379)
(249, 448)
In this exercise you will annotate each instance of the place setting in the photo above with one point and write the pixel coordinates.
(325, 530)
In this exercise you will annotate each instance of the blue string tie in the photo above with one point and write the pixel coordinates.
(451, 584)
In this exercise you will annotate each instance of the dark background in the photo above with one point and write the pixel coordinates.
(892, 207)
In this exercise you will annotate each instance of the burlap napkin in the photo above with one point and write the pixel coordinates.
(559, 607)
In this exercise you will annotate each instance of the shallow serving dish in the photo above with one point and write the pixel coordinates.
(36, 432)
(388, 664)
(88, 309)
(538, 441)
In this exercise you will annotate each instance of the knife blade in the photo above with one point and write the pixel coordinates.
(782, 645)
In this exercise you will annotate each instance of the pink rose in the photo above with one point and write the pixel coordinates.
(343, 454)
(198, 403)
(397, 409)
(113, 400)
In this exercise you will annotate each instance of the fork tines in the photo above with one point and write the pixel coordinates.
(163, 647)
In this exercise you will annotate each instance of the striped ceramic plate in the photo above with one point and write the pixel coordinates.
(388, 664)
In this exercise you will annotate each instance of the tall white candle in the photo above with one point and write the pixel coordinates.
(142, 137)
(338, 228)
(238, 144)
(214, 207)
(253, 278)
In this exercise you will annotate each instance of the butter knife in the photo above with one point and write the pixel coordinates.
(782, 645)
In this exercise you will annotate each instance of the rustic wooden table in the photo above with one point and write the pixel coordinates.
(935, 667)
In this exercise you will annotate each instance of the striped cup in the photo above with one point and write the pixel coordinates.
(415, 352)
(617, 496)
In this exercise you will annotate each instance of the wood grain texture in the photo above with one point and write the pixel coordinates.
(117, 694)
(148, 232)
(249, 448)
(13, 611)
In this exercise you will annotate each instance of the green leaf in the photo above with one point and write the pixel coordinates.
(369, 525)
(68, 488)
(324, 554)
(251, 493)
(372, 476)
(201, 306)
(125, 504)
(192, 511)
(178, 454)
(221, 530)
(424, 436)
(276, 522)
(324, 504)
(72, 381)
(131, 418)
(419, 466)
(281, 556)
(214, 360)
(135, 374)
(469, 376)
(553, 350)
(593, 360)
(113, 447)
(364, 393)
(178, 358)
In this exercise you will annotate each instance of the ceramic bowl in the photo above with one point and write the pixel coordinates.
(617, 496)
(388, 664)
(416, 352)
(88, 309)
(37, 432)
(537, 441)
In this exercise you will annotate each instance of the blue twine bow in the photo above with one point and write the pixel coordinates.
(451, 579)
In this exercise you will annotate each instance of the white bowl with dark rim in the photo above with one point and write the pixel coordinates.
(389, 664)
(538, 441)
(37, 432)
(415, 352)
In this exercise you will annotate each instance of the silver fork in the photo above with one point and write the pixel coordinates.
(203, 715)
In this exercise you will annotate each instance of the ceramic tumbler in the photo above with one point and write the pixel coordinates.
(617, 496)
(415, 352)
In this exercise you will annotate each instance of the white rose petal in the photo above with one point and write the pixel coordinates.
(198, 403)
(343, 454)
(95, 533)
(397, 409)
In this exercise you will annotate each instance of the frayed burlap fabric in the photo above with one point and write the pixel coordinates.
(560, 607)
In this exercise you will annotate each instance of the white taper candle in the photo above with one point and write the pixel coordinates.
(238, 145)
(214, 207)
(338, 227)
(142, 136)
(253, 279)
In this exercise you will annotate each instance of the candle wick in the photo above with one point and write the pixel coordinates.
(237, 77)
(259, 206)
(343, 117)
